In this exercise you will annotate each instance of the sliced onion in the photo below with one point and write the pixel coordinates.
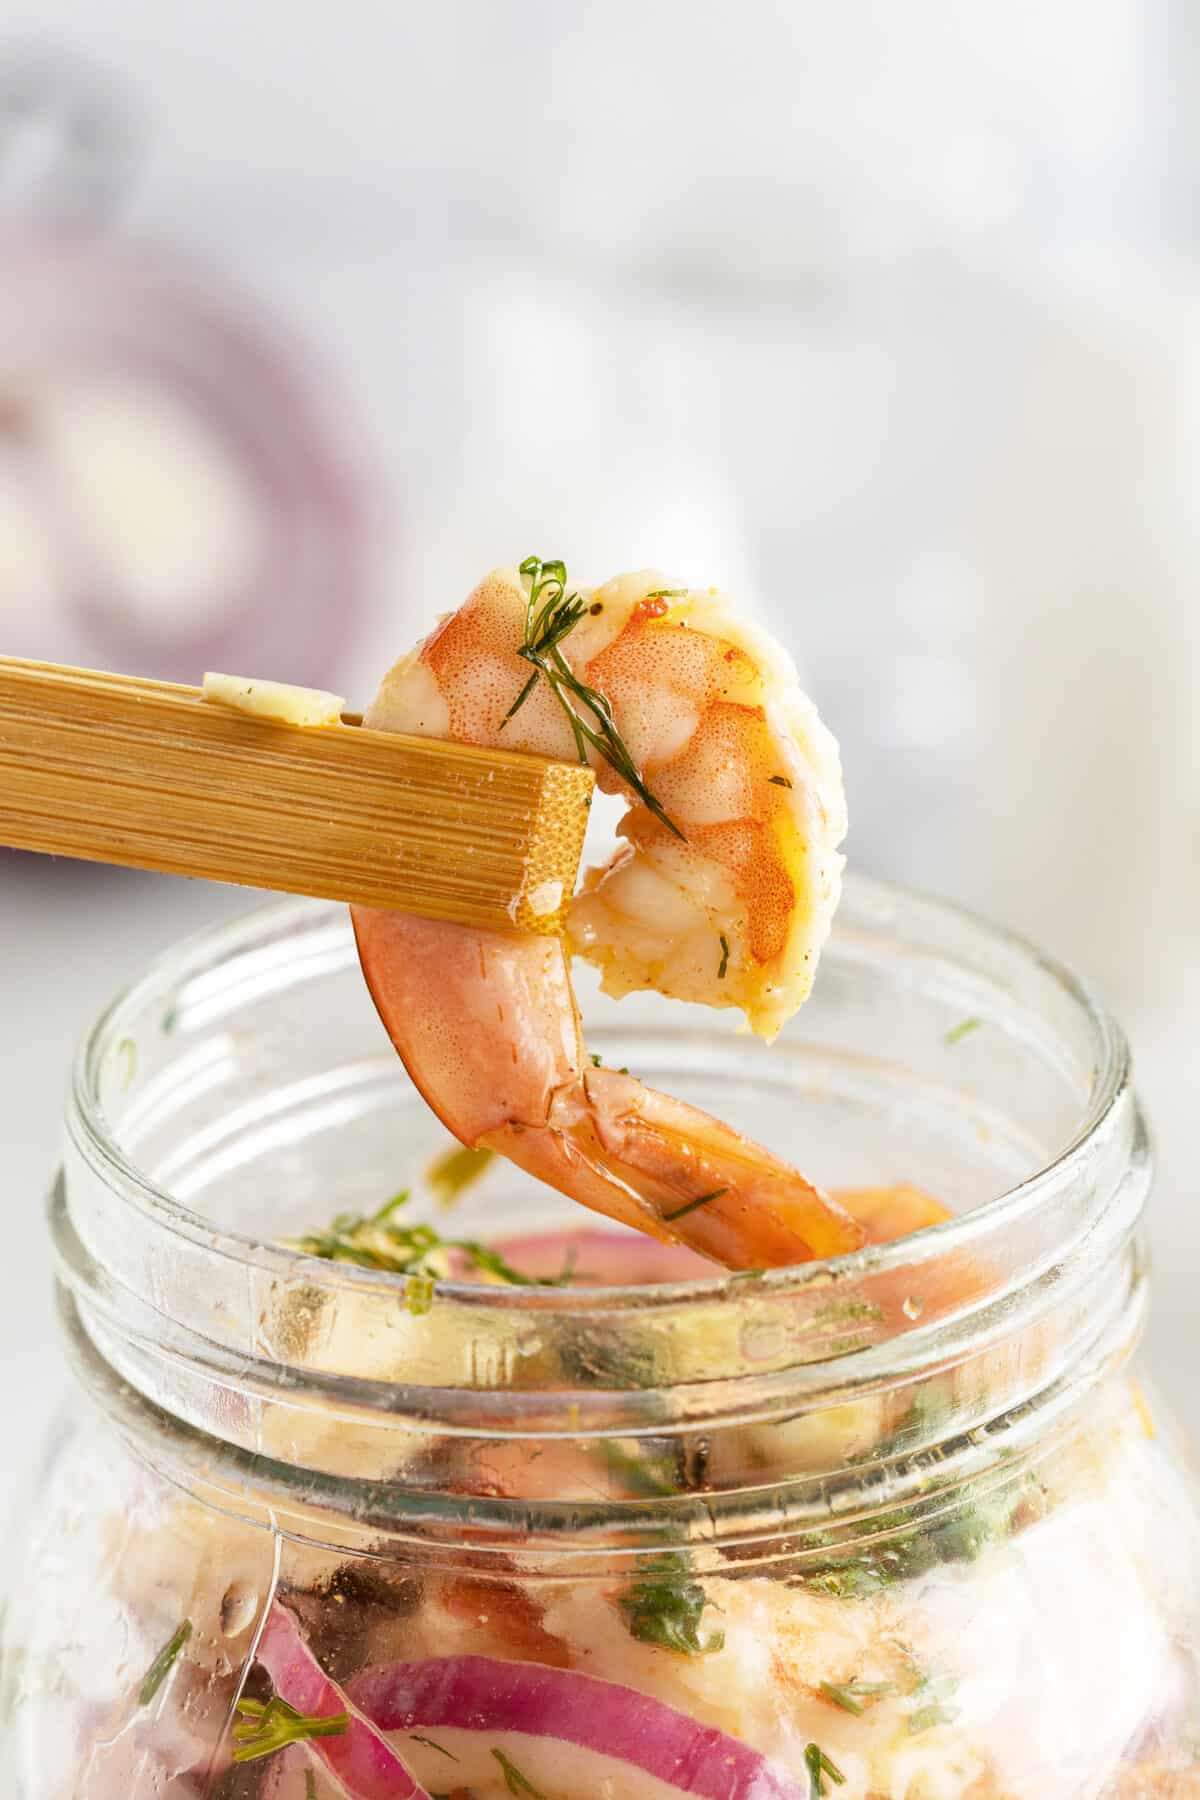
(482, 1694)
(361, 1758)
(609, 1258)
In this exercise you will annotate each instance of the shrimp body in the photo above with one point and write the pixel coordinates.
(730, 908)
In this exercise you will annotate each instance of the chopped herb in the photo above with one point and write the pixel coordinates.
(746, 1275)
(780, 781)
(598, 1063)
(667, 594)
(724, 942)
(855, 1696)
(418, 1251)
(638, 1473)
(963, 1029)
(551, 614)
(701, 1200)
(264, 1729)
(514, 1781)
(847, 1312)
(310, 1785)
(418, 1293)
(819, 1766)
(664, 1606)
(456, 1170)
(163, 1663)
(432, 1745)
(934, 1694)
(596, 1059)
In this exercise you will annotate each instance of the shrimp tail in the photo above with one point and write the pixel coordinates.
(679, 1174)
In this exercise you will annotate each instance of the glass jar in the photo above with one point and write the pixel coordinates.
(899, 1525)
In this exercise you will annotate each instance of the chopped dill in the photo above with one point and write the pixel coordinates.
(163, 1663)
(780, 781)
(724, 943)
(701, 1200)
(264, 1729)
(664, 1604)
(667, 594)
(855, 1696)
(934, 1694)
(551, 614)
(514, 1781)
(963, 1029)
(819, 1766)
(420, 1252)
(432, 1744)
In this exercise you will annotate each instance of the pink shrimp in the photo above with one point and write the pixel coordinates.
(728, 904)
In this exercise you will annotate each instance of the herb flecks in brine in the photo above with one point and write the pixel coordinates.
(420, 1252)
(819, 1765)
(514, 1781)
(164, 1662)
(664, 1606)
(551, 614)
(264, 1728)
(855, 1696)
(700, 1200)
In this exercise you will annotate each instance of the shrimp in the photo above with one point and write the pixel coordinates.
(722, 892)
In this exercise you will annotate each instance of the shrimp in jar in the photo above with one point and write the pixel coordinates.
(722, 892)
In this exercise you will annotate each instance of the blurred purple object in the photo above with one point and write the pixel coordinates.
(176, 490)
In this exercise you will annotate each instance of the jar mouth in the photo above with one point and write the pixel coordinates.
(263, 1067)
(989, 1223)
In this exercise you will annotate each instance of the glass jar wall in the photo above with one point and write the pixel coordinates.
(904, 1524)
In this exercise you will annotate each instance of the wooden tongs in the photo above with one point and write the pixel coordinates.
(152, 775)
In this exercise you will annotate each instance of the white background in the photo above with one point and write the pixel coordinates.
(886, 317)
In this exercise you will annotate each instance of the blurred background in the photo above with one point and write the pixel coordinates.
(886, 317)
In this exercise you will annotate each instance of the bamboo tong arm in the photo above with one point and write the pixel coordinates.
(148, 774)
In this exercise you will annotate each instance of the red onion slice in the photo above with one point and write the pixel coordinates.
(481, 1694)
(361, 1758)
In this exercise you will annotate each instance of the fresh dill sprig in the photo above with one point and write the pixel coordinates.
(664, 1606)
(514, 1781)
(264, 1729)
(819, 1766)
(163, 1663)
(551, 614)
(419, 1252)
(700, 1200)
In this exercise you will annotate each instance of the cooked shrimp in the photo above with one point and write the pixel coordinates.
(723, 892)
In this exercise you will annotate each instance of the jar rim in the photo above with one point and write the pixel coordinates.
(990, 1220)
